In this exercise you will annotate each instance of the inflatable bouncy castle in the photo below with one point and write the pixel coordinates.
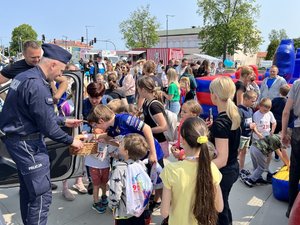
(285, 58)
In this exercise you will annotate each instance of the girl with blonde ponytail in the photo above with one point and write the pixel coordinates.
(191, 193)
(225, 134)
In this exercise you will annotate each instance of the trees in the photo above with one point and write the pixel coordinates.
(140, 30)
(229, 26)
(272, 49)
(21, 34)
(275, 37)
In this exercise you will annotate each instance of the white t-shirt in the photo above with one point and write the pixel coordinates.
(101, 159)
(263, 123)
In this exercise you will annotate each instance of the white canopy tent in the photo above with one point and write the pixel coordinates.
(202, 57)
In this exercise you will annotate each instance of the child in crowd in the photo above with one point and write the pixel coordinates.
(278, 105)
(117, 106)
(98, 165)
(121, 124)
(189, 109)
(247, 125)
(133, 109)
(132, 149)
(191, 193)
(186, 93)
(262, 119)
(259, 151)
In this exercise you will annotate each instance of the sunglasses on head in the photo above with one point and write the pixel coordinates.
(266, 106)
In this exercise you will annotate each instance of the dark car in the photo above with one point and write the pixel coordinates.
(63, 165)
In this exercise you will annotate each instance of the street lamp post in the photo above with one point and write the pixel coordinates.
(167, 30)
(87, 34)
(65, 41)
(109, 41)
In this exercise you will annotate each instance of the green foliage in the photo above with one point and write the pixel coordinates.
(272, 49)
(21, 34)
(229, 26)
(140, 30)
(277, 35)
(296, 43)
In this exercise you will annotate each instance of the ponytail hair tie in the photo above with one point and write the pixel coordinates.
(202, 139)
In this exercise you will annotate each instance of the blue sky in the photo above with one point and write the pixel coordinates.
(68, 18)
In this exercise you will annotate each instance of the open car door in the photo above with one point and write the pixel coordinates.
(63, 165)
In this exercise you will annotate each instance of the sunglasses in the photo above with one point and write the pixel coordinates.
(266, 106)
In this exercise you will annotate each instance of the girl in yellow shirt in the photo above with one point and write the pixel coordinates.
(191, 192)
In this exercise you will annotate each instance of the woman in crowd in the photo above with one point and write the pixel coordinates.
(225, 134)
(153, 111)
(173, 95)
(127, 84)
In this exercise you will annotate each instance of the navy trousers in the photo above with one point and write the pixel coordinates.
(32, 160)
(229, 176)
(294, 176)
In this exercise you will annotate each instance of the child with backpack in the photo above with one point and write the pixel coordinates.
(191, 193)
(129, 194)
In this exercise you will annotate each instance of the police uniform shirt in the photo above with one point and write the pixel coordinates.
(127, 124)
(14, 69)
(29, 108)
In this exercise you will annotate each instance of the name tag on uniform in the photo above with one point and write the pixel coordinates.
(49, 101)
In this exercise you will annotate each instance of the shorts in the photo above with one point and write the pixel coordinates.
(99, 176)
(165, 147)
(244, 142)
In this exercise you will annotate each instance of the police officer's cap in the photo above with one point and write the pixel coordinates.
(55, 52)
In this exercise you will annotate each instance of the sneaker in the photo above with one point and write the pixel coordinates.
(90, 188)
(261, 181)
(242, 176)
(288, 212)
(246, 172)
(67, 194)
(147, 216)
(53, 186)
(269, 178)
(247, 181)
(104, 200)
(80, 188)
(154, 206)
(165, 221)
(99, 208)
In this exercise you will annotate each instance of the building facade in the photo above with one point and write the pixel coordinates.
(187, 39)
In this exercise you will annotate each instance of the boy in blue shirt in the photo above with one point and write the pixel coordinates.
(121, 124)
(247, 125)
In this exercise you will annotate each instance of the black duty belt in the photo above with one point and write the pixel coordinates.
(29, 137)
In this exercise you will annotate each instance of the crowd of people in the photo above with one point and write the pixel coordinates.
(125, 110)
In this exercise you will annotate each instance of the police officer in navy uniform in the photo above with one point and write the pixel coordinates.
(26, 118)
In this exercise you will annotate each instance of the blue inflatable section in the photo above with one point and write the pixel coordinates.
(203, 85)
(285, 58)
(281, 189)
(297, 65)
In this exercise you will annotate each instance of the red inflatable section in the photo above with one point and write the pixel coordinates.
(255, 70)
(295, 213)
(204, 98)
